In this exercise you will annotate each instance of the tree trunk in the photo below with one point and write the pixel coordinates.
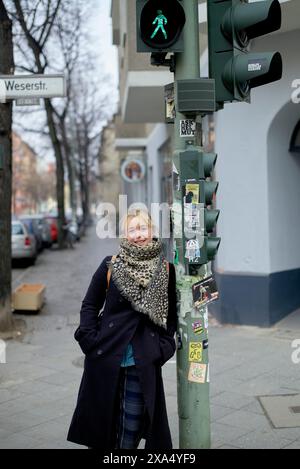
(86, 182)
(36, 48)
(60, 180)
(70, 165)
(6, 67)
(82, 193)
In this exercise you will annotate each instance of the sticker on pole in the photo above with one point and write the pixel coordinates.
(197, 372)
(204, 292)
(192, 250)
(205, 319)
(197, 327)
(195, 351)
(187, 128)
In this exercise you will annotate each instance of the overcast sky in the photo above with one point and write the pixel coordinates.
(102, 26)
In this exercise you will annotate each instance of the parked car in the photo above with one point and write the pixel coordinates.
(52, 222)
(33, 228)
(23, 243)
(44, 229)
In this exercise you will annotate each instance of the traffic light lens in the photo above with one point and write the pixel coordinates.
(161, 23)
(274, 71)
(232, 24)
(270, 15)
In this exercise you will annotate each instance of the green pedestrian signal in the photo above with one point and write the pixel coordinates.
(231, 26)
(161, 21)
(159, 25)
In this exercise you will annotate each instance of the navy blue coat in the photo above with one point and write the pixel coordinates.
(103, 339)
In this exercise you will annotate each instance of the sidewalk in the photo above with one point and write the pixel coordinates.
(39, 383)
(247, 362)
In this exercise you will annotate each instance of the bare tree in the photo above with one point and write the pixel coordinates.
(67, 49)
(6, 67)
(87, 108)
(86, 120)
(67, 36)
(36, 23)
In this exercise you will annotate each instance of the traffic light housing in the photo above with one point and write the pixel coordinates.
(231, 26)
(159, 25)
(196, 168)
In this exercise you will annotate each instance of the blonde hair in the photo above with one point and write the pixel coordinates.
(142, 214)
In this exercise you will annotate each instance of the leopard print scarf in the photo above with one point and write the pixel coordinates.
(140, 273)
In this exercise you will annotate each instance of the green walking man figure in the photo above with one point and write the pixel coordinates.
(161, 21)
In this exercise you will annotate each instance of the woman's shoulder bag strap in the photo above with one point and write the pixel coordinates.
(109, 272)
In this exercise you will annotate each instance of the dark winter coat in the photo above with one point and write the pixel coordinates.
(103, 339)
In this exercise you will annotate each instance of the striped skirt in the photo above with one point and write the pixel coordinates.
(130, 410)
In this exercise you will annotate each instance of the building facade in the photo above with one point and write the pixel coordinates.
(258, 168)
(24, 162)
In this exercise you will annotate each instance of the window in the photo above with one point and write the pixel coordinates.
(17, 229)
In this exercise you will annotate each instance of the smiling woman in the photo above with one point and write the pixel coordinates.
(121, 397)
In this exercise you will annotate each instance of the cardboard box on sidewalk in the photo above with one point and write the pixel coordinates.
(29, 296)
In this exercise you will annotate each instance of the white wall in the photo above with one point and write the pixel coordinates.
(258, 177)
(156, 139)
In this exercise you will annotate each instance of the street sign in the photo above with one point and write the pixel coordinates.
(32, 86)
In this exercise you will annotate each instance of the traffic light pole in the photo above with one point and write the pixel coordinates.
(193, 394)
(165, 26)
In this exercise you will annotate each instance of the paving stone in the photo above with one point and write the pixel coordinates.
(9, 395)
(22, 421)
(279, 410)
(18, 441)
(232, 400)
(261, 440)
(294, 445)
(254, 407)
(48, 431)
(226, 433)
(247, 420)
(218, 411)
